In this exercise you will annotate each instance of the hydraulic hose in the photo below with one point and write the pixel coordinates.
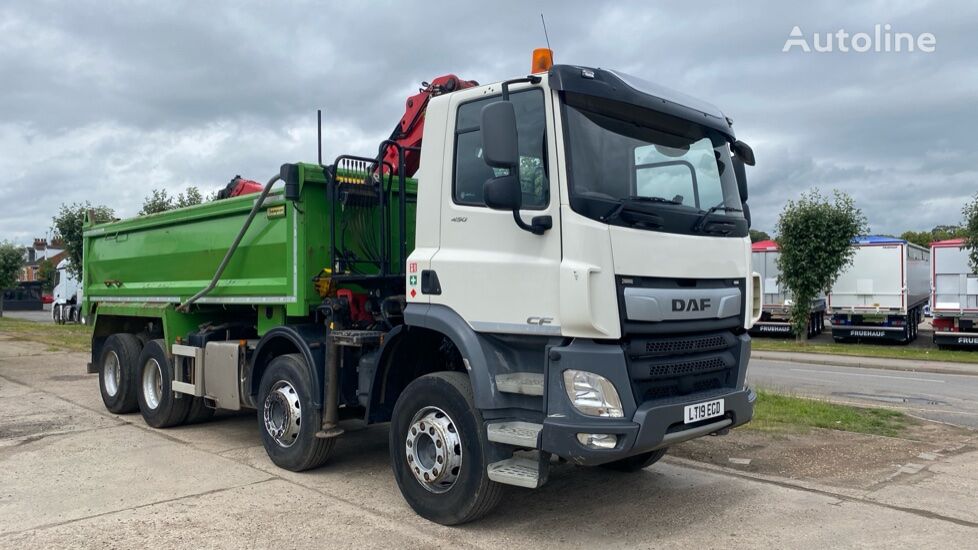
(234, 246)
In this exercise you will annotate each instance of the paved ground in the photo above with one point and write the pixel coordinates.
(72, 475)
(43, 316)
(951, 398)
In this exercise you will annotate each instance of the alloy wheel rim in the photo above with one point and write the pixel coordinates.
(433, 448)
(282, 414)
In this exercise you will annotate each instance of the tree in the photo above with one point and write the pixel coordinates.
(757, 236)
(939, 233)
(161, 201)
(158, 201)
(815, 237)
(11, 262)
(190, 197)
(68, 225)
(970, 231)
(47, 273)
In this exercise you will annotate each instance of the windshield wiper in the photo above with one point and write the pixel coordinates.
(705, 216)
(643, 198)
(616, 211)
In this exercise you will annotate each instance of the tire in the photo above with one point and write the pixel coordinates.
(637, 462)
(160, 405)
(117, 373)
(199, 412)
(456, 494)
(287, 420)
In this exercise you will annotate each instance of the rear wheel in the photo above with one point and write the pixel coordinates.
(160, 405)
(287, 419)
(637, 462)
(117, 373)
(438, 450)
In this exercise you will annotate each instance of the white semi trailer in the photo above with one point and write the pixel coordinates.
(881, 296)
(66, 307)
(776, 304)
(954, 298)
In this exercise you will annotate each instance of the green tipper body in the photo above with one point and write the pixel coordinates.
(149, 264)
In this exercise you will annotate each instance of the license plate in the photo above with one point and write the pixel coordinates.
(702, 411)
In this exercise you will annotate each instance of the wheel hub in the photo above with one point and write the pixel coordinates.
(152, 383)
(282, 414)
(111, 373)
(433, 449)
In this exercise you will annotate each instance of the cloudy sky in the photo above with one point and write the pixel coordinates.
(104, 101)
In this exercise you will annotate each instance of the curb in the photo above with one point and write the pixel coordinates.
(934, 367)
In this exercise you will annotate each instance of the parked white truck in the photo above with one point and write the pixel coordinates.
(776, 304)
(66, 307)
(571, 278)
(881, 296)
(954, 298)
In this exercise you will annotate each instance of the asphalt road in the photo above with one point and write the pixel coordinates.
(951, 398)
(43, 316)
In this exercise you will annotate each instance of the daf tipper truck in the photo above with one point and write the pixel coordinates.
(776, 305)
(881, 296)
(566, 277)
(954, 298)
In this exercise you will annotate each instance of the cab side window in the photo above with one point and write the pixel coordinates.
(471, 172)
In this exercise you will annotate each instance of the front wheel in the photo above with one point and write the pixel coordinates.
(438, 450)
(637, 462)
(287, 419)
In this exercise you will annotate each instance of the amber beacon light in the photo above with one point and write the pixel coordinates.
(543, 59)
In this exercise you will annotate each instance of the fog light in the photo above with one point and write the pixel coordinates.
(592, 394)
(598, 441)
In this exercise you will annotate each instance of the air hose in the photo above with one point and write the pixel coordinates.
(234, 246)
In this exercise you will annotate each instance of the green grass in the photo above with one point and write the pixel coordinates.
(56, 337)
(774, 412)
(866, 350)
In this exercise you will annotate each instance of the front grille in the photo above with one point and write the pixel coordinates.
(672, 366)
(686, 367)
(681, 345)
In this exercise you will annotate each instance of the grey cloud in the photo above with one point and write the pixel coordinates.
(104, 102)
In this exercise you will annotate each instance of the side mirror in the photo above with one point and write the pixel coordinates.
(503, 193)
(744, 152)
(500, 149)
(741, 175)
(499, 138)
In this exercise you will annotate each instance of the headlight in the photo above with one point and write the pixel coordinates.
(592, 394)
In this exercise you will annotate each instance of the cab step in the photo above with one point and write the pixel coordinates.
(519, 471)
(524, 383)
(520, 434)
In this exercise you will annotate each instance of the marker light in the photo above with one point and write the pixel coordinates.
(543, 59)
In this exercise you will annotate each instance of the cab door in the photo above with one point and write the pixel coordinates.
(496, 276)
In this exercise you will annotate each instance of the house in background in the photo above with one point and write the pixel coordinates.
(40, 251)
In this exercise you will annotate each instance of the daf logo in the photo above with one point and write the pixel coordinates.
(692, 304)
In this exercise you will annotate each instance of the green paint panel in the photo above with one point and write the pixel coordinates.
(168, 257)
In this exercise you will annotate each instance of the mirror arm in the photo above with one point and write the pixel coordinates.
(538, 225)
(532, 79)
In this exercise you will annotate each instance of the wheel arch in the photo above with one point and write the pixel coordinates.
(306, 340)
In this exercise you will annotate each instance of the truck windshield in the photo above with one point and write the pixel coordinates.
(625, 157)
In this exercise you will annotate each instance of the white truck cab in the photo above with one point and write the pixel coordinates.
(585, 235)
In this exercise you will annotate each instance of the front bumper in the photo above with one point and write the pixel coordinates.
(647, 426)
